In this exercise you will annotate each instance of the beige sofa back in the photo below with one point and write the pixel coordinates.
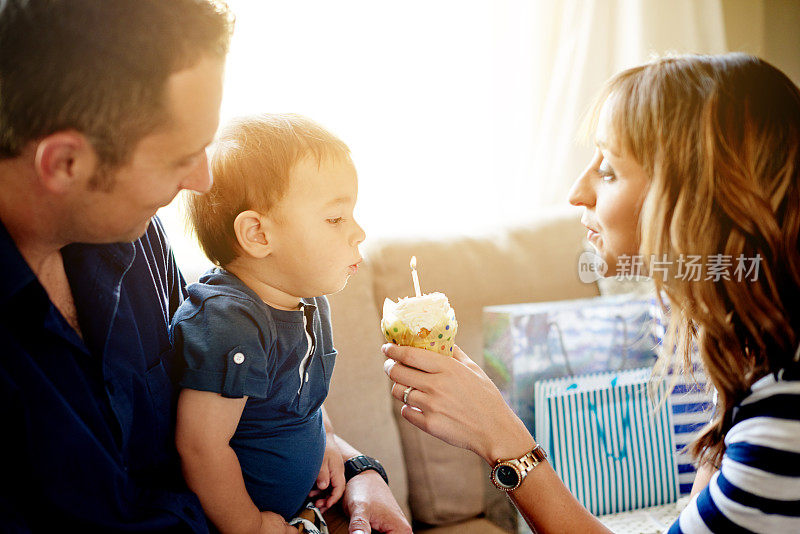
(537, 262)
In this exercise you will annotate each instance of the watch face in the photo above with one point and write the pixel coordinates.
(507, 476)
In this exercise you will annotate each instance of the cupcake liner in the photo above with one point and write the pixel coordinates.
(440, 338)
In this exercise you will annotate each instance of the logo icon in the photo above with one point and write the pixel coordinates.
(591, 267)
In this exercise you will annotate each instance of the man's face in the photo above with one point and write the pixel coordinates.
(315, 244)
(163, 163)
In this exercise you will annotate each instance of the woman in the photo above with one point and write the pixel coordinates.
(695, 155)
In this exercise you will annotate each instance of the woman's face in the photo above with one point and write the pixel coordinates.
(611, 190)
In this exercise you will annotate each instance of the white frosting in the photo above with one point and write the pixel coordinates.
(417, 312)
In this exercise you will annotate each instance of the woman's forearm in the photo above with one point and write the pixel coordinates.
(542, 499)
(702, 478)
(548, 506)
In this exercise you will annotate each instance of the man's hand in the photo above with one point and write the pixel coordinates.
(272, 523)
(331, 476)
(371, 505)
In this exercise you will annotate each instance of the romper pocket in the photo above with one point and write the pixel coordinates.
(315, 390)
(328, 362)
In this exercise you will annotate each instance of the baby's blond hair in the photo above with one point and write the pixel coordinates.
(250, 165)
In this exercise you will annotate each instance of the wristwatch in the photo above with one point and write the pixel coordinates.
(507, 475)
(359, 464)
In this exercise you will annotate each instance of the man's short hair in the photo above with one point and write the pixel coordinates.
(99, 67)
(252, 160)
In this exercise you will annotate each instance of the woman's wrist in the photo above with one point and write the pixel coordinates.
(512, 441)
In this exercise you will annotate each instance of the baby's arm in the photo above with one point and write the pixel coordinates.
(206, 422)
(330, 480)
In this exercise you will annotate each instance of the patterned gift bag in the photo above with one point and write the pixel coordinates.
(526, 343)
(606, 443)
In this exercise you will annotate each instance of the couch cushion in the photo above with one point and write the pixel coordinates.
(535, 262)
(359, 403)
(473, 526)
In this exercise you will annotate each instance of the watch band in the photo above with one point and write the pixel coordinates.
(359, 464)
(522, 465)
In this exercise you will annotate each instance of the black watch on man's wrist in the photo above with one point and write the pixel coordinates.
(359, 464)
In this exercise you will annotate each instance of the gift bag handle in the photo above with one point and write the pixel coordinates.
(551, 324)
(602, 436)
(624, 345)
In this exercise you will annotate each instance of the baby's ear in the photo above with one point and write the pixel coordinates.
(251, 230)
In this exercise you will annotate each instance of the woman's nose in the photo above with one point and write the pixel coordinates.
(582, 192)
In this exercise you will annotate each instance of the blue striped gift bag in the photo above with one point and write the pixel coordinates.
(606, 443)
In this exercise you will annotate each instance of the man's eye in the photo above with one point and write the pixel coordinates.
(188, 162)
(335, 220)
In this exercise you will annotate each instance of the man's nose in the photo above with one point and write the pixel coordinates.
(200, 179)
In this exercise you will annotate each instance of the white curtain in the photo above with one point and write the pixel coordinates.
(582, 43)
(461, 115)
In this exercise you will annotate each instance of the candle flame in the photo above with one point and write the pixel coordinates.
(414, 262)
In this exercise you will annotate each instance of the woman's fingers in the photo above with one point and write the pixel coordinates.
(415, 397)
(462, 357)
(415, 417)
(424, 360)
(402, 374)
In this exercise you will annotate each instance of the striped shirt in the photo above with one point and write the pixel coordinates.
(757, 488)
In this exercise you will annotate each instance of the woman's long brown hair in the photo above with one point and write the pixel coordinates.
(720, 138)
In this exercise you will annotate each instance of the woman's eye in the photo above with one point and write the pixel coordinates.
(606, 172)
(335, 220)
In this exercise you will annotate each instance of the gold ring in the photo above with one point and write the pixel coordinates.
(405, 394)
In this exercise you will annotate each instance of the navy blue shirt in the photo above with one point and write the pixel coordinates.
(234, 344)
(87, 422)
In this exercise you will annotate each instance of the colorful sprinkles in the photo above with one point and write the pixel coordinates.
(436, 341)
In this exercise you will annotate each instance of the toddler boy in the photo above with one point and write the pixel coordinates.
(254, 335)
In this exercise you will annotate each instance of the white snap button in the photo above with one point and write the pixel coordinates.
(238, 358)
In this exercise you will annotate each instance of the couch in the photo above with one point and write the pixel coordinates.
(441, 488)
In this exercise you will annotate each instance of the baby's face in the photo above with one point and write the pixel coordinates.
(315, 245)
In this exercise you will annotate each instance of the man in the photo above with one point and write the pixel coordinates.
(106, 109)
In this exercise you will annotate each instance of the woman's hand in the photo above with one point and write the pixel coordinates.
(455, 401)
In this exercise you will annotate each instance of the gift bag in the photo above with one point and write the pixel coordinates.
(606, 442)
(526, 343)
